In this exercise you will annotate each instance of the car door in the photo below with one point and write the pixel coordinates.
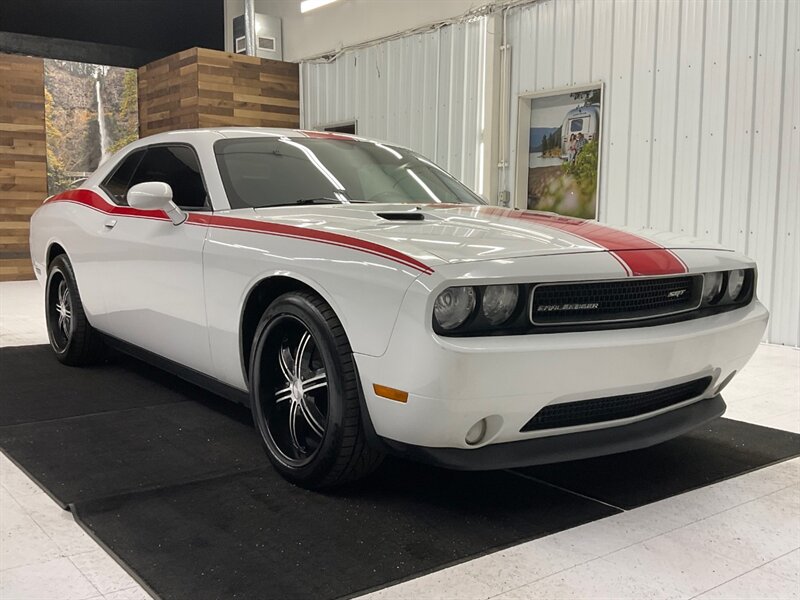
(154, 283)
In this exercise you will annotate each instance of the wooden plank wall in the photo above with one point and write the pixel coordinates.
(208, 88)
(168, 94)
(23, 159)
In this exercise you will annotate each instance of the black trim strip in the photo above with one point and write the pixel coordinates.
(213, 385)
(566, 447)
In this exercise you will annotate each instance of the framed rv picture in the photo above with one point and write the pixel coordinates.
(558, 151)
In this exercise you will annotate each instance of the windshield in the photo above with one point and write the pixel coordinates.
(282, 171)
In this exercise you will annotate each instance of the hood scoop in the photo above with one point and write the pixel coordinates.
(402, 216)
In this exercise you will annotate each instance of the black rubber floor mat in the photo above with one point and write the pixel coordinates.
(110, 453)
(255, 536)
(36, 387)
(722, 449)
(181, 492)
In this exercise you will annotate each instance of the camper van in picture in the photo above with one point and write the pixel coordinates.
(583, 119)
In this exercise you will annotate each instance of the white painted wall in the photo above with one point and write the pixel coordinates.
(426, 92)
(346, 22)
(700, 124)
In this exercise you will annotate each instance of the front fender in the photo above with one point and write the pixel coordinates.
(366, 292)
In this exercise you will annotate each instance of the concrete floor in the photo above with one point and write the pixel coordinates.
(736, 539)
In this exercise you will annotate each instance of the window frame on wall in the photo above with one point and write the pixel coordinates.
(338, 127)
(521, 168)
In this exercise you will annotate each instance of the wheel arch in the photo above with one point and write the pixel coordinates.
(54, 248)
(260, 295)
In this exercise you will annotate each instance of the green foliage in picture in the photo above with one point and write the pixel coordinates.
(584, 172)
(127, 121)
(57, 177)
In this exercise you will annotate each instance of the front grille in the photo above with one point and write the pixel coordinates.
(556, 304)
(612, 408)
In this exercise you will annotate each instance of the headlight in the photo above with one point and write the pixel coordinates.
(499, 302)
(735, 283)
(712, 286)
(454, 306)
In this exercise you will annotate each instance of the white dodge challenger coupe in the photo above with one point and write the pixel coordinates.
(361, 301)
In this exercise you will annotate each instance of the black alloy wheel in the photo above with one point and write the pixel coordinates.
(72, 338)
(305, 395)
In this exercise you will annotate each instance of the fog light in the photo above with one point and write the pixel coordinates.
(476, 433)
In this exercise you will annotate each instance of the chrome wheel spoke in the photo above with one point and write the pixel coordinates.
(284, 360)
(316, 386)
(62, 293)
(312, 420)
(282, 395)
(319, 376)
(301, 352)
(293, 425)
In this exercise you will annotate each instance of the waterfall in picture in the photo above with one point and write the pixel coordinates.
(101, 119)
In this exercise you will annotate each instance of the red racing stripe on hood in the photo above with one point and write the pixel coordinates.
(637, 255)
(316, 235)
(94, 201)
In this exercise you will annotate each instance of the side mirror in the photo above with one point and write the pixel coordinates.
(155, 195)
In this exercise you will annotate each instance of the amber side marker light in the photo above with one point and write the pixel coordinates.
(390, 393)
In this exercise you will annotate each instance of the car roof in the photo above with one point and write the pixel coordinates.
(239, 132)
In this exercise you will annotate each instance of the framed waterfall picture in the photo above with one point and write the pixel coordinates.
(558, 151)
(91, 111)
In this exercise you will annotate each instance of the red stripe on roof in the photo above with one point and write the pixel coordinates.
(327, 135)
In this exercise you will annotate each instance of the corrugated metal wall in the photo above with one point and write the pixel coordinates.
(422, 91)
(700, 129)
(700, 124)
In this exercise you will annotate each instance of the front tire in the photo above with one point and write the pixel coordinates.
(72, 338)
(305, 395)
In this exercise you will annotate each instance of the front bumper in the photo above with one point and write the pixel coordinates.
(455, 382)
(572, 446)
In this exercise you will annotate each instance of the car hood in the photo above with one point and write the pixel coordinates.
(459, 233)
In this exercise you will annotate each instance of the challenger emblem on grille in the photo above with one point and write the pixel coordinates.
(555, 307)
(579, 304)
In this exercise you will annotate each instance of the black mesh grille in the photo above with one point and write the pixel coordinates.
(599, 301)
(598, 410)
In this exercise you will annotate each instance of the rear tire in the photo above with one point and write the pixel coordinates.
(72, 338)
(305, 395)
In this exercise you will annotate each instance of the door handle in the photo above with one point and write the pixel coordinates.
(110, 224)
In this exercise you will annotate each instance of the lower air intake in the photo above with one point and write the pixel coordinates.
(611, 408)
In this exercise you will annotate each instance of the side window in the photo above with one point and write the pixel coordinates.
(117, 183)
(177, 166)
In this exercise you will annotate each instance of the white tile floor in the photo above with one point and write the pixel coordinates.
(736, 539)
